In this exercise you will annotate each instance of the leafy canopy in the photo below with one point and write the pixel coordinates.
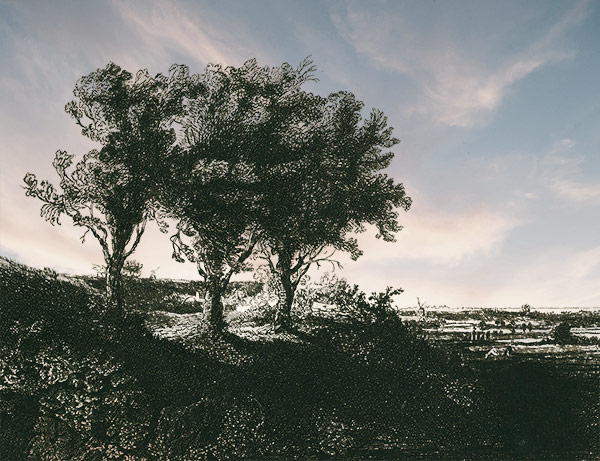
(331, 186)
(111, 191)
(233, 133)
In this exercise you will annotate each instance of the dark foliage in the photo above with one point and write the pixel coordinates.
(327, 186)
(132, 268)
(78, 382)
(216, 186)
(178, 296)
(111, 192)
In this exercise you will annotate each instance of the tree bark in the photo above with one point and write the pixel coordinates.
(114, 284)
(216, 287)
(283, 316)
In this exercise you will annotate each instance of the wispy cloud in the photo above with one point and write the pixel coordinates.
(457, 88)
(164, 23)
(449, 240)
(444, 239)
(563, 175)
(574, 191)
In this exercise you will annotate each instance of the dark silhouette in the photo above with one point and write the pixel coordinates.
(328, 186)
(132, 268)
(112, 191)
(232, 143)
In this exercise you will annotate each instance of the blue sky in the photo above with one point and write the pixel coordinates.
(497, 105)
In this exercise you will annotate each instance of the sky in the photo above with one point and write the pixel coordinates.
(496, 104)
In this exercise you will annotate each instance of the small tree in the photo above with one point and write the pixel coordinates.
(132, 269)
(562, 334)
(376, 308)
(100, 270)
(111, 192)
(328, 188)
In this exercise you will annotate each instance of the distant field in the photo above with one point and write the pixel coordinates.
(548, 310)
(501, 334)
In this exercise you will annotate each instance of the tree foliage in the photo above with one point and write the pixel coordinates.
(132, 268)
(260, 162)
(232, 135)
(328, 190)
(112, 190)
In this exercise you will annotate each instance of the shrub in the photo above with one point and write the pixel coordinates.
(354, 302)
(561, 334)
(132, 268)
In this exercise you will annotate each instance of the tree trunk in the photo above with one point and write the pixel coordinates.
(114, 284)
(216, 323)
(283, 317)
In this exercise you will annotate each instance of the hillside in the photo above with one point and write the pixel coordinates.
(77, 383)
(177, 296)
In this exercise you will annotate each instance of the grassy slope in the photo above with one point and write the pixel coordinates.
(169, 295)
(75, 384)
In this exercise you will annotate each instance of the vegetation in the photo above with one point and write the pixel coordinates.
(112, 192)
(259, 161)
(175, 296)
(261, 169)
(265, 163)
(132, 268)
(328, 186)
(504, 317)
(216, 190)
(78, 385)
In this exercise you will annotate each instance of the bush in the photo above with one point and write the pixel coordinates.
(354, 302)
(132, 268)
(561, 334)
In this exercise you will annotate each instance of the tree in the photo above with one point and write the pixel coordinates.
(132, 268)
(232, 138)
(111, 191)
(100, 270)
(327, 192)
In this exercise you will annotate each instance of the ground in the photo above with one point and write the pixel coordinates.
(77, 382)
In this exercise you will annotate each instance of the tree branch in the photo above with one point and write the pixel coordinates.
(139, 231)
(252, 241)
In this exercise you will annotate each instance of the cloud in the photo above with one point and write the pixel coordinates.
(161, 22)
(438, 238)
(575, 191)
(584, 263)
(554, 277)
(461, 98)
(39, 244)
(449, 240)
(557, 277)
(457, 87)
(564, 169)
